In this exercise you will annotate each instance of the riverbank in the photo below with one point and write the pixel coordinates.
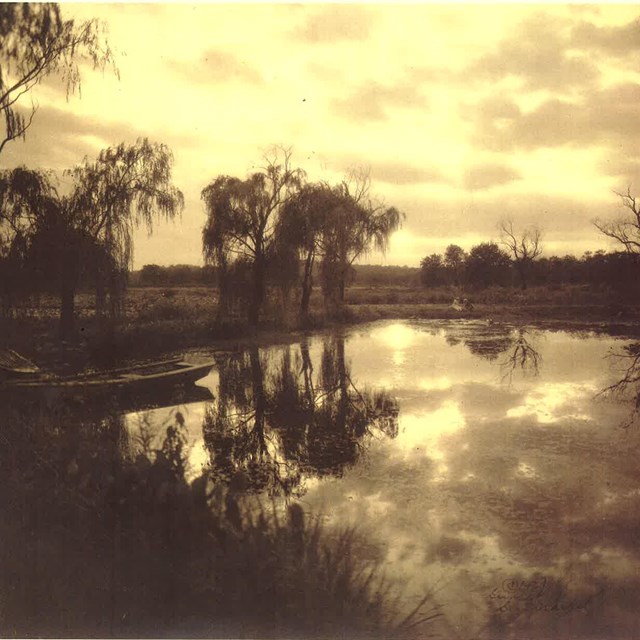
(160, 322)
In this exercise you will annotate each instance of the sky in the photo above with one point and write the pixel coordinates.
(464, 115)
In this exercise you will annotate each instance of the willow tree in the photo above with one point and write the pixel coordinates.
(25, 196)
(243, 219)
(302, 229)
(356, 225)
(127, 187)
(36, 42)
(39, 245)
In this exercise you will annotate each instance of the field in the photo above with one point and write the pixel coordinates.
(163, 320)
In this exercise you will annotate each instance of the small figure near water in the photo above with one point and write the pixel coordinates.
(465, 305)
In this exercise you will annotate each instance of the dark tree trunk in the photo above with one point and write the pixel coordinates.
(257, 294)
(522, 272)
(114, 295)
(67, 308)
(101, 296)
(341, 287)
(223, 292)
(259, 398)
(342, 383)
(307, 284)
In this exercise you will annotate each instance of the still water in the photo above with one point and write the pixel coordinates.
(483, 460)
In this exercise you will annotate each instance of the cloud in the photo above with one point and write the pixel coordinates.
(539, 54)
(561, 218)
(488, 175)
(625, 169)
(215, 67)
(617, 40)
(405, 174)
(609, 117)
(372, 101)
(58, 139)
(336, 23)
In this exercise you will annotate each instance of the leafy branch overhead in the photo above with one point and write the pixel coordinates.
(35, 43)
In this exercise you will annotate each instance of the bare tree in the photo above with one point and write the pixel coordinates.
(626, 231)
(36, 42)
(524, 247)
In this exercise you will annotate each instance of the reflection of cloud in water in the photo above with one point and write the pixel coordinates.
(526, 470)
(398, 336)
(440, 383)
(473, 493)
(555, 402)
(480, 496)
(197, 457)
(426, 428)
(423, 432)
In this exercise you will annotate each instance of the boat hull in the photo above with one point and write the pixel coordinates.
(140, 378)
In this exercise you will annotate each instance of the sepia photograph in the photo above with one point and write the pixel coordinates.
(320, 321)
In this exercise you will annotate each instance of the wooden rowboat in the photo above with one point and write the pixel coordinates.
(13, 365)
(142, 377)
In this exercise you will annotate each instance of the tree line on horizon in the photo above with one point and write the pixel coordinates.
(614, 269)
(487, 264)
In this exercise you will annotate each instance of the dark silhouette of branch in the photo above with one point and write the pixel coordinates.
(624, 231)
(524, 247)
(36, 42)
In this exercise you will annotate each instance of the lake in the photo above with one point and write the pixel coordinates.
(492, 470)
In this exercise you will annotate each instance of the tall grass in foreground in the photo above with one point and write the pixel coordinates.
(102, 537)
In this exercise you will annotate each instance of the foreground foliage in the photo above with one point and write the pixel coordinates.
(104, 536)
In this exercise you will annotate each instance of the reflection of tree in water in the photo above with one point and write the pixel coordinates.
(520, 355)
(490, 342)
(452, 340)
(279, 423)
(628, 386)
(105, 537)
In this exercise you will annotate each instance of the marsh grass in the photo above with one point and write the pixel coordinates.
(161, 321)
(104, 537)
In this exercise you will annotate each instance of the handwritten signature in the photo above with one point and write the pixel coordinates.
(537, 594)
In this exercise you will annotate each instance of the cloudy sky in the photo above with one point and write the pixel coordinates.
(465, 114)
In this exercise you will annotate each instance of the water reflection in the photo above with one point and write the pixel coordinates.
(626, 362)
(521, 355)
(511, 500)
(496, 481)
(282, 423)
(104, 535)
(515, 348)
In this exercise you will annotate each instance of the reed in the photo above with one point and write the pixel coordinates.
(105, 537)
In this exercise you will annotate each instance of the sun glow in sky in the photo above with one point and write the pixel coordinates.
(465, 114)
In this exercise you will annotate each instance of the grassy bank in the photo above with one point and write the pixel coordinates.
(159, 321)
